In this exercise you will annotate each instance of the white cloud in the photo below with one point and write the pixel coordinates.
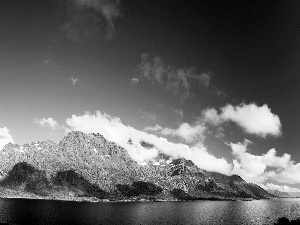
(46, 123)
(134, 81)
(253, 119)
(5, 137)
(282, 188)
(73, 80)
(190, 134)
(155, 128)
(178, 81)
(86, 18)
(210, 115)
(114, 130)
(253, 168)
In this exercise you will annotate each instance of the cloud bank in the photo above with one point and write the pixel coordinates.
(51, 123)
(282, 188)
(253, 168)
(113, 129)
(5, 137)
(177, 81)
(253, 119)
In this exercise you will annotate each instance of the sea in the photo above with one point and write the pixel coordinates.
(29, 211)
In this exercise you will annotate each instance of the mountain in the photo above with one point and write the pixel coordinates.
(279, 194)
(87, 165)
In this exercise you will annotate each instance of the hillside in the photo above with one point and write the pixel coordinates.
(87, 165)
(279, 194)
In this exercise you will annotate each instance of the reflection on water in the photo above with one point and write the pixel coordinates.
(200, 212)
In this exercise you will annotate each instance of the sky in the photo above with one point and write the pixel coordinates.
(217, 83)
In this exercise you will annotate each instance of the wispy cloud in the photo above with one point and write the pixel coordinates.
(51, 123)
(73, 80)
(155, 128)
(178, 81)
(88, 18)
(134, 81)
(5, 137)
(178, 111)
(147, 115)
(253, 119)
(220, 132)
(189, 133)
(219, 92)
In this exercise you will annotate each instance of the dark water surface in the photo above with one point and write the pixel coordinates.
(24, 211)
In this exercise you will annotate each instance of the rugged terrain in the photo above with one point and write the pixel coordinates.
(88, 167)
(279, 194)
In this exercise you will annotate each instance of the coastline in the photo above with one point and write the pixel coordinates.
(95, 200)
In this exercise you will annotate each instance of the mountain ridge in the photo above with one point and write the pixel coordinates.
(97, 165)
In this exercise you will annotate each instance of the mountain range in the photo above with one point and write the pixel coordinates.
(89, 167)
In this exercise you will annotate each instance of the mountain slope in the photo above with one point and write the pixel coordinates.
(279, 194)
(89, 165)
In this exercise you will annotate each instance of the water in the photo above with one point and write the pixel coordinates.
(24, 211)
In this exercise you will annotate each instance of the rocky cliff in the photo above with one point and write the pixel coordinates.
(89, 165)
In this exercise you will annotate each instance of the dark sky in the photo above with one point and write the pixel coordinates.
(161, 63)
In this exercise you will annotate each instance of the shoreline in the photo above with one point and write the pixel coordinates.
(95, 200)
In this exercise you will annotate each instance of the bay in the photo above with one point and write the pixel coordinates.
(29, 211)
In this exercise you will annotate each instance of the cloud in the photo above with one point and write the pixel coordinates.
(265, 167)
(177, 81)
(155, 128)
(185, 131)
(113, 129)
(5, 137)
(149, 116)
(134, 81)
(88, 18)
(219, 92)
(220, 132)
(211, 116)
(253, 119)
(46, 123)
(73, 80)
(178, 111)
(282, 188)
